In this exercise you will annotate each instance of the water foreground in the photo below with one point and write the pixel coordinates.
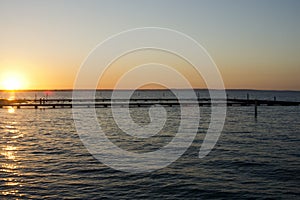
(42, 156)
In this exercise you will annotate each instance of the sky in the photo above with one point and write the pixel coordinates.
(255, 44)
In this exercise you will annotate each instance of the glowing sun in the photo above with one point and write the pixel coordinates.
(12, 82)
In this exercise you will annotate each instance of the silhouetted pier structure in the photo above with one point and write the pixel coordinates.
(137, 102)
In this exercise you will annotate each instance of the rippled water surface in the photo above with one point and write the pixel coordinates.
(42, 156)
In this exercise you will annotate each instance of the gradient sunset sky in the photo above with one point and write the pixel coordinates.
(255, 43)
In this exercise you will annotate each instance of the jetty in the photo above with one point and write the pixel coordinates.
(137, 102)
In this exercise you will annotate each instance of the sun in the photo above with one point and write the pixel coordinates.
(12, 82)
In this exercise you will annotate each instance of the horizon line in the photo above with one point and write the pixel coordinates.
(146, 89)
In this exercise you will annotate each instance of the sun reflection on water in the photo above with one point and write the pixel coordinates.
(10, 161)
(10, 148)
(11, 95)
(9, 155)
(10, 181)
(5, 167)
(13, 192)
(11, 109)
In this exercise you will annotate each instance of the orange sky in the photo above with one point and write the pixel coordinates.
(255, 44)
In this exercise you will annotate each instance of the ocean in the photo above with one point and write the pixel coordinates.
(43, 157)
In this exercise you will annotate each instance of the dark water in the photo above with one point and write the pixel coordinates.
(41, 156)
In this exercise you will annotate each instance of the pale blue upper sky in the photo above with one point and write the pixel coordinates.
(255, 43)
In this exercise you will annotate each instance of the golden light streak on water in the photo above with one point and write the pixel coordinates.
(10, 182)
(8, 155)
(11, 95)
(11, 110)
(9, 152)
(10, 148)
(9, 166)
(13, 192)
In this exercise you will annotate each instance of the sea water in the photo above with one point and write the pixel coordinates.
(42, 156)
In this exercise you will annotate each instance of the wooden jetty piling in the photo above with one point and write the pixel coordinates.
(255, 109)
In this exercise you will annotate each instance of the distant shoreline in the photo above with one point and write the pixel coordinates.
(198, 89)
